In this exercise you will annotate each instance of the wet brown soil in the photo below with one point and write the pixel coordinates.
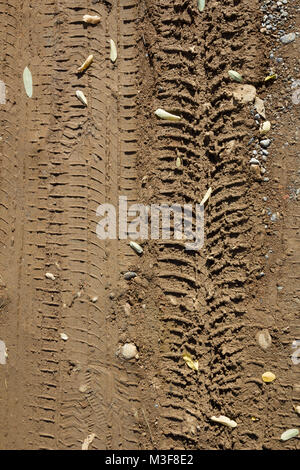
(60, 161)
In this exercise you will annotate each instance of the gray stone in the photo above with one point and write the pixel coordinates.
(287, 38)
(265, 143)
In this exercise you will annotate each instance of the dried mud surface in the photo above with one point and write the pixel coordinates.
(60, 160)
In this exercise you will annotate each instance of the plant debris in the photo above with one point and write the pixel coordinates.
(194, 365)
(2, 92)
(162, 114)
(260, 107)
(86, 64)
(201, 5)
(27, 79)
(87, 441)
(81, 97)
(289, 434)
(271, 77)
(91, 19)
(224, 420)
(264, 339)
(268, 377)
(235, 76)
(206, 197)
(265, 127)
(136, 247)
(3, 353)
(113, 51)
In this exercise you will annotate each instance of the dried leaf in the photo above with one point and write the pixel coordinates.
(27, 79)
(136, 247)
(81, 97)
(268, 377)
(264, 339)
(2, 92)
(206, 197)
(286, 435)
(235, 76)
(201, 5)
(194, 365)
(224, 420)
(113, 51)
(297, 409)
(271, 77)
(87, 441)
(260, 107)
(265, 127)
(86, 64)
(3, 353)
(91, 19)
(162, 114)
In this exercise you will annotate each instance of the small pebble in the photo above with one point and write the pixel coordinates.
(50, 276)
(254, 161)
(129, 275)
(273, 217)
(265, 143)
(265, 152)
(64, 336)
(129, 351)
(287, 38)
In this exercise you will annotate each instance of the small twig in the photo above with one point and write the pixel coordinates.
(148, 426)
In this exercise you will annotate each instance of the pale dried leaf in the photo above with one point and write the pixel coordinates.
(113, 51)
(2, 92)
(162, 114)
(206, 197)
(289, 434)
(81, 97)
(260, 107)
(91, 19)
(224, 420)
(136, 247)
(201, 5)
(27, 79)
(87, 441)
(235, 76)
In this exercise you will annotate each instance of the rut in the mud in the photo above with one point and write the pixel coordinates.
(60, 160)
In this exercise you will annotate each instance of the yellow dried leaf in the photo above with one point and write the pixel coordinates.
(194, 365)
(268, 377)
(271, 77)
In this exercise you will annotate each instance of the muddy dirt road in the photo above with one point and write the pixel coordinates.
(60, 160)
